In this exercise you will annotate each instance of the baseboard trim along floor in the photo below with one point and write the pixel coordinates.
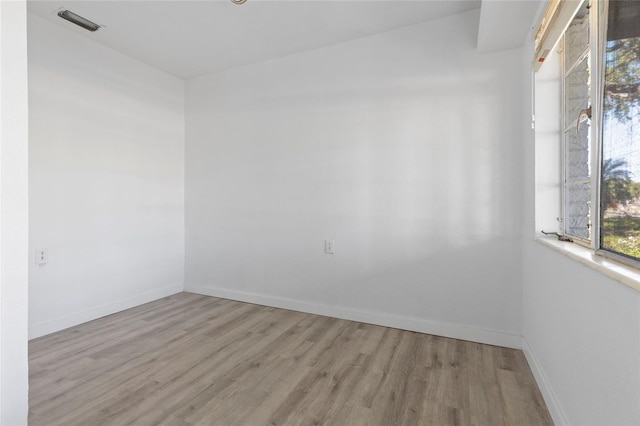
(455, 331)
(48, 327)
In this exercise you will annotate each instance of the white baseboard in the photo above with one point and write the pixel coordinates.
(456, 331)
(553, 405)
(47, 327)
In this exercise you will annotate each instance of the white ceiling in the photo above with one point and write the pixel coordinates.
(189, 38)
(506, 24)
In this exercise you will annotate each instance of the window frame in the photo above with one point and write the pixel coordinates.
(598, 40)
(598, 18)
(564, 127)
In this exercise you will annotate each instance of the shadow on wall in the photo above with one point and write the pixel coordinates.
(420, 189)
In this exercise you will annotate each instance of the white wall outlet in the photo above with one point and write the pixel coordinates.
(42, 256)
(328, 246)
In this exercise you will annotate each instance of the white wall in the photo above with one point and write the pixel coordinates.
(13, 213)
(581, 329)
(584, 332)
(106, 179)
(402, 147)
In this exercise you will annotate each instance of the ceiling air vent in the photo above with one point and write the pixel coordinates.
(78, 20)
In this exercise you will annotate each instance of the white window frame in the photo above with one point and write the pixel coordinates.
(593, 130)
(598, 40)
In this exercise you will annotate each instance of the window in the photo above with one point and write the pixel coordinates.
(620, 167)
(576, 89)
(599, 51)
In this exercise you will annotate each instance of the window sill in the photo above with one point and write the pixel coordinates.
(622, 273)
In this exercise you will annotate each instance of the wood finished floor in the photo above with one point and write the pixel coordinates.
(198, 360)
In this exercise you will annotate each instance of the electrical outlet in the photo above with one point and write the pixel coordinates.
(328, 246)
(42, 256)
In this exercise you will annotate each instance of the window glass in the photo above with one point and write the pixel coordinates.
(577, 93)
(620, 168)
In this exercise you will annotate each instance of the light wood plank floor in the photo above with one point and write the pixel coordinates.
(197, 360)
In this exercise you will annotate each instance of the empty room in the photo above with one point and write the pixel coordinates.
(337, 212)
